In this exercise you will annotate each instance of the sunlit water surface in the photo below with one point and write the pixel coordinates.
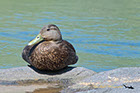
(105, 33)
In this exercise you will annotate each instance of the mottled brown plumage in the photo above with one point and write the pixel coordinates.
(52, 52)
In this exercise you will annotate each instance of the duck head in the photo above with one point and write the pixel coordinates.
(48, 33)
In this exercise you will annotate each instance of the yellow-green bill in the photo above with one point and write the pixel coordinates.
(36, 40)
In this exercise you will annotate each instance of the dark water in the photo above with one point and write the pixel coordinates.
(105, 33)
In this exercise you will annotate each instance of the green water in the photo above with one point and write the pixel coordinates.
(105, 33)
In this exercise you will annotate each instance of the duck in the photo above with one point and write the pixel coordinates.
(48, 51)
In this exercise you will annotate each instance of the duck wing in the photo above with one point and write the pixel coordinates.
(69, 44)
(73, 57)
(26, 53)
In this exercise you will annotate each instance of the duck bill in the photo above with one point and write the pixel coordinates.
(36, 40)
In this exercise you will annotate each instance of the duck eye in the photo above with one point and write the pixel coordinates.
(48, 29)
(37, 37)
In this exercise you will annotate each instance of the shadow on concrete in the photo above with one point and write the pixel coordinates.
(48, 72)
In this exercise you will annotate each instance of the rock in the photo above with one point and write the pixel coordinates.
(135, 85)
(70, 80)
(29, 78)
(109, 81)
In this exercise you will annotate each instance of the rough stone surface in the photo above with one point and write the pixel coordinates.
(70, 80)
(136, 86)
(109, 82)
(25, 78)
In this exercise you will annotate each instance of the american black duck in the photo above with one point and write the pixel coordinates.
(48, 51)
